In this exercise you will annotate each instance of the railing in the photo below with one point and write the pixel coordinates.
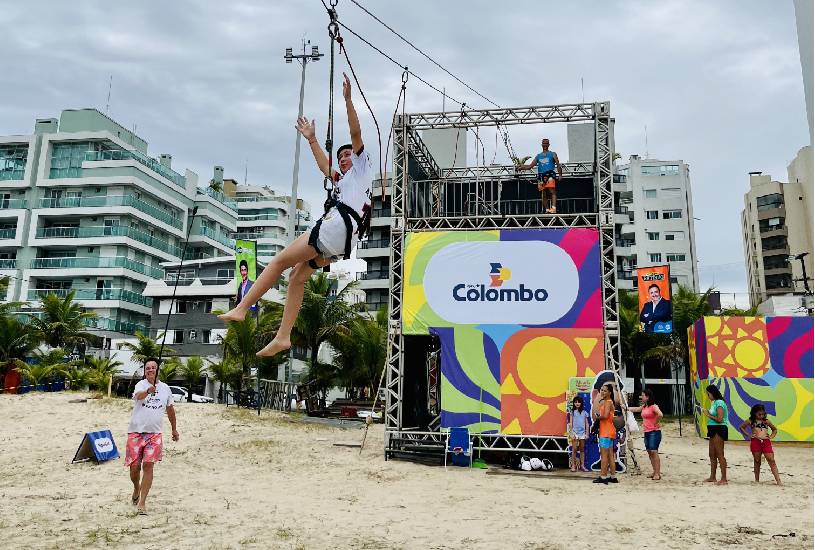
(8, 264)
(376, 306)
(94, 294)
(258, 217)
(373, 275)
(116, 200)
(152, 164)
(107, 231)
(195, 254)
(8, 204)
(206, 281)
(377, 243)
(217, 236)
(625, 273)
(381, 212)
(624, 242)
(8, 233)
(113, 325)
(100, 262)
(220, 197)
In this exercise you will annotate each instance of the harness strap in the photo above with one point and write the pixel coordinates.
(346, 213)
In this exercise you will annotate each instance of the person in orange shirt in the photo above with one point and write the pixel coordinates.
(604, 414)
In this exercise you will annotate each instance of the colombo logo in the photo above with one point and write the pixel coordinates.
(496, 293)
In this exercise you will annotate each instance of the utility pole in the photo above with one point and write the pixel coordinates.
(303, 58)
(807, 291)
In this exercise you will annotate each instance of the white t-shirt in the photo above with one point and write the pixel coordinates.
(355, 185)
(148, 413)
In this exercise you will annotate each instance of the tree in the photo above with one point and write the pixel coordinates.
(216, 186)
(145, 347)
(101, 371)
(738, 312)
(224, 373)
(322, 315)
(361, 351)
(63, 322)
(192, 371)
(244, 338)
(76, 376)
(46, 364)
(168, 369)
(17, 340)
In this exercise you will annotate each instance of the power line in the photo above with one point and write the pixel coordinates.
(436, 63)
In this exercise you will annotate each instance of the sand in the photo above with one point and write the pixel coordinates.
(238, 481)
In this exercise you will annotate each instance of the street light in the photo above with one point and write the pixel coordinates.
(303, 58)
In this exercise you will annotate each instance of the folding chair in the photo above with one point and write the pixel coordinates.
(460, 446)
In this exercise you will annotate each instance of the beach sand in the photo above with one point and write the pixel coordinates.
(238, 481)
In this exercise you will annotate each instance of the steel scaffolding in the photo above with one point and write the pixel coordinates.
(422, 201)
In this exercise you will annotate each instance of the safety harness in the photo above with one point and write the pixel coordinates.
(347, 214)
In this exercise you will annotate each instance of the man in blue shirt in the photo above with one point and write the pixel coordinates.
(547, 162)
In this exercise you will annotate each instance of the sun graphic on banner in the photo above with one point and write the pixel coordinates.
(737, 347)
(499, 274)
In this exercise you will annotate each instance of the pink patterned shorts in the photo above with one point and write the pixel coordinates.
(143, 447)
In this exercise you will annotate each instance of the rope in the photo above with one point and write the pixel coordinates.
(333, 33)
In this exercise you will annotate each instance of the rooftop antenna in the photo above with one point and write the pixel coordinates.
(107, 104)
(646, 141)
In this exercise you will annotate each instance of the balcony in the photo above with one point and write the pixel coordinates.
(8, 233)
(117, 200)
(381, 213)
(624, 247)
(8, 264)
(107, 231)
(113, 325)
(258, 217)
(374, 275)
(217, 237)
(377, 243)
(94, 294)
(220, 197)
(104, 262)
(12, 204)
(142, 159)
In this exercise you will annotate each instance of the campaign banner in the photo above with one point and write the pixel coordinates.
(97, 446)
(654, 287)
(517, 313)
(245, 268)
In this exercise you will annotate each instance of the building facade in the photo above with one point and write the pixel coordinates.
(654, 221)
(776, 225)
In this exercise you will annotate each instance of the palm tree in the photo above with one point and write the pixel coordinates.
(145, 347)
(361, 351)
(321, 316)
(17, 340)
(738, 312)
(63, 322)
(47, 363)
(77, 376)
(240, 345)
(224, 373)
(101, 371)
(168, 369)
(192, 371)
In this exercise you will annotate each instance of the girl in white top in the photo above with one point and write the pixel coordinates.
(353, 189)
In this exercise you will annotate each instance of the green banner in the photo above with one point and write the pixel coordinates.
(245, 268)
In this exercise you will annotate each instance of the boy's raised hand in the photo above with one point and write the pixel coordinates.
(346, 87)
(306, 128)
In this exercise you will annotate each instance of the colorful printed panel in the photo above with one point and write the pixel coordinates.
(517, 312)
(754, 360)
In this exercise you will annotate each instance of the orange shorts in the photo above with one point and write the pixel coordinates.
(545, 182)
(143, 447)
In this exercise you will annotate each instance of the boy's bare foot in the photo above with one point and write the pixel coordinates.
(711, 480)
(274, 347)
(232, 315)
(721, 482)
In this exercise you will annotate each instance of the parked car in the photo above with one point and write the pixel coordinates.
(180, 396)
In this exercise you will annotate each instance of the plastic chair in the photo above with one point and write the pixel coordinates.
(459, 446)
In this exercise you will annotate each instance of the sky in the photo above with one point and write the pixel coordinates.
(717, 84)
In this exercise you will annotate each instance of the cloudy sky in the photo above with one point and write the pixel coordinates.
(718, 84)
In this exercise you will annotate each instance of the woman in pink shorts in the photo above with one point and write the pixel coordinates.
(145, 447)
(761, 433)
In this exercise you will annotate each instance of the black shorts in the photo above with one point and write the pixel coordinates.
(544, 177)
(721, 431)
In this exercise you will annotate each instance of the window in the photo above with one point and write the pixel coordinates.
(181, 307)
(655, 257)
(768, 202)
(650, 193)
(674, 235)
(671, 192)
(208, 306)
(774, 243)
(206, 336)
(664, 170)
(178, 336)
(653, 236)
(770, 224)
(779, 261)
(671, 214)
(675, 257)
(652, 214)
(13, 158)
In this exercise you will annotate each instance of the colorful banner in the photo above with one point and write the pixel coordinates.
(656, 312)
(245, 268)
(752, 360)
(517, 312)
